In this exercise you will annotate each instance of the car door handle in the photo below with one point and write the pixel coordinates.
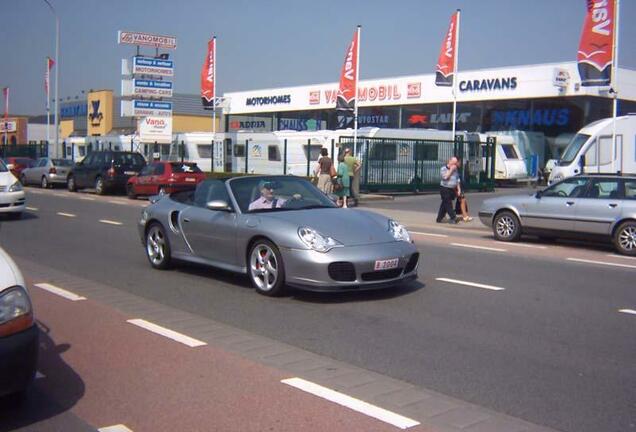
(569, 203)
(186, 220)
(612, 205)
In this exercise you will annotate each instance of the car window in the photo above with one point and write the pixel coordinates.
(630, 189)
(185, 168)
(88, 160)
(62, 162)
(571, 188)
(147, 170)
(3, 167)
(159, 169)
(602, 189)
(41, 162)
(210, 190)
(127, 158)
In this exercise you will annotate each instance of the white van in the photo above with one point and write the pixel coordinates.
(592, 150)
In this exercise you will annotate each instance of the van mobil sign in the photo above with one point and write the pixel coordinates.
(136, 38)
(157, 129)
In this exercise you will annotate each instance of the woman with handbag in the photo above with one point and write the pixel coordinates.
(342, 187)
(326, 172)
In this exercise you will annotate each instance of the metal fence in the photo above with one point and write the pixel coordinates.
(393, 164)
(32, 151)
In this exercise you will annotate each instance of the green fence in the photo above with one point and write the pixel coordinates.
(33, 151)
(395, 164)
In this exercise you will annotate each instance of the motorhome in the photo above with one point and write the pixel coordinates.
(592, 149)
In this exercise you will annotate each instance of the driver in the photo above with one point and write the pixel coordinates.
(267, 199)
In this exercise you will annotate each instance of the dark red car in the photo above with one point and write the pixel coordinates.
(164, 177)
(17, 164)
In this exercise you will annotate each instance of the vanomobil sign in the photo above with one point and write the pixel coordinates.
(136, 38)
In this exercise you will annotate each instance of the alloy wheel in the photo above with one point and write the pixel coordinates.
(264, 267)
(627, 238)
(156, 245)
(505, 226)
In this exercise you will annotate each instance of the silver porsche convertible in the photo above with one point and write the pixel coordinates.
(281, 231)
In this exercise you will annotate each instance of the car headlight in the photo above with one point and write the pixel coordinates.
(16, 313)
(399, 231)
(316, 241)
(15, 187)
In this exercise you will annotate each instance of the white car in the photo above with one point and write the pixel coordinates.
(18, 332)
(12, 200)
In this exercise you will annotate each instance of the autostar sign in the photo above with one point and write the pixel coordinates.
(136, 38)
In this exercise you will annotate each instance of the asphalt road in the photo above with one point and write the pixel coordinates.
(551, 347)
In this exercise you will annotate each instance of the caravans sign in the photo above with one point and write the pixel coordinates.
(488, 84)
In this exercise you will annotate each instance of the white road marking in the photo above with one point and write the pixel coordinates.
(115, 428)
(35, 191)
(628, 311)
(428, 234)
(615, 256)
(531, 246)
(171, 334)
(110, 222)
(39, 375)
(59, 291)
(352, 403)
(32, 208)
(87, 198)
(478, 247)
(601, 263)
(472, 284)
(66, 214)
(116, 202)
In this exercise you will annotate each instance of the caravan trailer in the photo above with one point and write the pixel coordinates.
(509, 164)
(75, 148)
(592, 149)
(197, 147)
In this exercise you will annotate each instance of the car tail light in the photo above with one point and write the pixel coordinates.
(111, 172)
(52, 170)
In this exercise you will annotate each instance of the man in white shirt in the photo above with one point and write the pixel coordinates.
(267, 199)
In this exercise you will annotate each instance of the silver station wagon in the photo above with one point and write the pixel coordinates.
(584, 206)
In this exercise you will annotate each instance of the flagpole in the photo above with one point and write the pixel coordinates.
(455, 78)
(213, 104)
(614, 81)
(48, 105)
(6, 116)
(355, 100)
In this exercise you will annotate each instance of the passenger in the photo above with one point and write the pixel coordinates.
(354, 166)
(344, 182)
(461, 205)
(448, 184)
(267, 199)
(327, 171)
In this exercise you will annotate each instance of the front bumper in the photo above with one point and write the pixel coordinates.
(309, 270)
(12, 202)
(18, 360)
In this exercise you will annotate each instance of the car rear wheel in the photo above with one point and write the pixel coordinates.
(44, 183)
(70, 184)
(157, 247)
(99, 186)
(130, 191)
(266, 269)
(506, 227)
(625, 238)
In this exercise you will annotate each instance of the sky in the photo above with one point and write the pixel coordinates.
(278, 43)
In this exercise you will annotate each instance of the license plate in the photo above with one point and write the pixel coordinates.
(130, 172)
(189, 179)
(386, 264)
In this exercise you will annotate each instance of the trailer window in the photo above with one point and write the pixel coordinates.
(315, 151)
(426, 152)
(273, 153)
(239, 150)
(605, 149)
(509, 151)
(383, 151)
(204, 150)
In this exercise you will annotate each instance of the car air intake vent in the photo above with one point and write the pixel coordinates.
(381, 275)
(410, 266)
(342, 271)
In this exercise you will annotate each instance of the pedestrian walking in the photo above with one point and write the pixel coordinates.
(448, 186)
(343, 191)
(461, 205)
(326, 172)
(353, 166)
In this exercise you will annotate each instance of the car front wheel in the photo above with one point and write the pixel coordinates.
(44, 183)
(70, 184)
(99, 186)
(625, 238)
(266, 269)
(157, 247)
(506, 227)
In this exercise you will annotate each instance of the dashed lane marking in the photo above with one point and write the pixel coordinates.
(117, 202)
(71, 215)
(621, 256)
(525, 245)
(628, 311)
(32, 208)
(478, 247)
(115, 428)
(85, 198)
(171, 334)
(429, 234)
(352, 403)
(110, 222)
(472, 284)
(34, 191)
(59, 291)
(602, 263)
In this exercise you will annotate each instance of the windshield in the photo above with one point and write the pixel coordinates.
(573, 148)
(3, 167)
(185, 168)
(277, 193)
(130, 159)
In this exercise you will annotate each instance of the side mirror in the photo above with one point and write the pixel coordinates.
(218, 205)
(538, 195)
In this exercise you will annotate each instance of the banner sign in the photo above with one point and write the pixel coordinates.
(142, 108)
(8, 126)
(155, 129)
(596, 48)
(136, 38)
(346, 100)
(207, 76)
(150, 88)
(151, 66)
(445, 68)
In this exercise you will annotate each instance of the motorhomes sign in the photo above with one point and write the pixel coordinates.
(152, 66)
(136, 38)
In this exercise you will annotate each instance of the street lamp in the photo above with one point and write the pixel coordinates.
(57, 75)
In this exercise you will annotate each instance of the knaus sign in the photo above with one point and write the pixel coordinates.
(155, 129)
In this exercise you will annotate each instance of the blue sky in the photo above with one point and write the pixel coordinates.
(263, 44)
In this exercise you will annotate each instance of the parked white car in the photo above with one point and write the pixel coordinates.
(12, 200)
(18, 331)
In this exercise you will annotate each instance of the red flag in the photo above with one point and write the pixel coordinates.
(345, 104)
(207, 76)
(445, 68)
(49, 65)
(596, 49)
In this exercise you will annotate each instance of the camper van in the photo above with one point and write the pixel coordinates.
(592, 149)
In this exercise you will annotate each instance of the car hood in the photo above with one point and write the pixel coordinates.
(7, 179)
(9, 273)
(349, 226)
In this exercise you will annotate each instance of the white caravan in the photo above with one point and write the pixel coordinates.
(592, 149)
(198, 147)
(509, 164)
(75, 148)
